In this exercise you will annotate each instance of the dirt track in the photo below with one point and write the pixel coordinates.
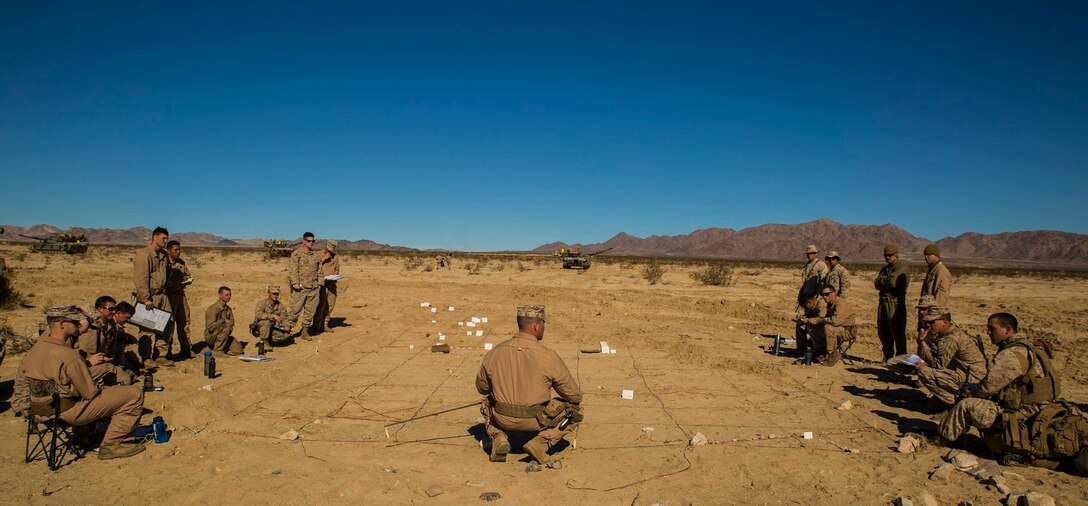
(691, 354)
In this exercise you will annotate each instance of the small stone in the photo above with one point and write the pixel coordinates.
(902, 501)
(999, 483)
(1038, 499)
(942, 473)
(730, 327)
(647, 430)
(846, 406)
(985, 470)
(533, 467)
(1012, 475)
(927, 499)
(555, 464)
(477, 484)
(207, 387)
(276, 472)
(218, 469)
(434, 490)
(698, 439)
(490, 496)
(908, 444)
(964, 461)
(290, 435)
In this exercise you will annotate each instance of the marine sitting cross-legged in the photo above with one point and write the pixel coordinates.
(518, 376)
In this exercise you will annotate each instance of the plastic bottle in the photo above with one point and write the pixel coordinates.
(158, 427)
(211, 367)
(149, 383)
(260, 347)
(207, 364)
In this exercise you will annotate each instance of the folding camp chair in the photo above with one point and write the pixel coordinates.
(54, 437)
(845, 346)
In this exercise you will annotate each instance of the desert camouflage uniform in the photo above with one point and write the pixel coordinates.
(834, 328)
(149, 277)
(328, 290)
(951, 360)
(1010, 363)
(812, 276)
(891, 320)
(218, 326)
(101, 337)
(839, 278)
(263, 317)
(178, 271)
(304, 268)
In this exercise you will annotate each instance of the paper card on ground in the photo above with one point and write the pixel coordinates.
(475, 320)
(451, 308)
(487, 346)
(628, 394)
(424, 304)
(604, 347)
(483, 319)
(470, 324)
(155, 319)
(479, 333)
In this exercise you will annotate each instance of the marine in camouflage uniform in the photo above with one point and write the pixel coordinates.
(518, 376)
(834, 328)
(891, 319)
(329, 266)
(177, 278)
(837, 275)
(1018, 382)
(949, 358)
(149, 268)
(270, 316)
(812, 274)
(304, 273)
(938, 280)
(811, 307)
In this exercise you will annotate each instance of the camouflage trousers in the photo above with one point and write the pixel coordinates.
(326, 303)
(304, 305)
(944, 384)
(981, 414)
(495, 423)
(266, 330)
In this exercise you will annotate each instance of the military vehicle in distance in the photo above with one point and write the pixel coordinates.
(574, 259)
(60, 243)
(279, 248)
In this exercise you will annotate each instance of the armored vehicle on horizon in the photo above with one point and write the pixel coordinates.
(279, 248)
(574, 259)
(60, 243)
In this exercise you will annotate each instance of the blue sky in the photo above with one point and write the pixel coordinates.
(506, 125)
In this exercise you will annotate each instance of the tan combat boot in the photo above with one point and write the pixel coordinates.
(305, 335)
(500, 446)
(119, 451)
(537, 448)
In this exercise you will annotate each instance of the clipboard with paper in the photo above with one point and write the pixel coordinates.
(153, 319)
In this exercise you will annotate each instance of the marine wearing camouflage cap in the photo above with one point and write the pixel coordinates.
(532, 311)
(273, 288)
(811, 249)
(69, 312)
(937, 313)
(330, 245)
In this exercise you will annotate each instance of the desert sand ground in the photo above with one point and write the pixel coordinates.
(691, 354)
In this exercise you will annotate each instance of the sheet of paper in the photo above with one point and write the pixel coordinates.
(256, 358)
(156, 319)
(911, 360)
(487, 346)
(334, 277)
(479, 333)
(628, 394)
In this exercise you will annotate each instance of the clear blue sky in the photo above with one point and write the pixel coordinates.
(506, 125)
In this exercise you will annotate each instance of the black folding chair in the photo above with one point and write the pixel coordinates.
(54, 437)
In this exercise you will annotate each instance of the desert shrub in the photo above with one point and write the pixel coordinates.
(521, 267)
(714, 275)
(9, 298)
(499, 266)
(473, 268)
(653, 272)
(412, 263)
(428, 268)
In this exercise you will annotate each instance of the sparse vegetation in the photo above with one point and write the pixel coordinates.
(473, 268)
(428, 268)
(9, 298)
(412, 263)
(714, 275)
(521, 267)
(653, 272)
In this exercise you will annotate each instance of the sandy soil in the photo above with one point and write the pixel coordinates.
(691, 354)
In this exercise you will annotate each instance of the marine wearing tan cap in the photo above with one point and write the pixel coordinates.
(149, 269)
(812, 274)
(949, 359)
(938, 281)
(518, 376)
(269, 317)
(837, 276)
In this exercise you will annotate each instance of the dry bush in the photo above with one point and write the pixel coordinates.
(653, 272)
(9, 298)
(714, 275)
(412, 263)
(473, 268)
(499, 266)
(428, 268)
(521, 267)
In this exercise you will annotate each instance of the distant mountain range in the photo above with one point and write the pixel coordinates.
(142, 235)
(854, 243)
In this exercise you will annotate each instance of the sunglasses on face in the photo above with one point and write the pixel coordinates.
(110, 308)
(825, 294)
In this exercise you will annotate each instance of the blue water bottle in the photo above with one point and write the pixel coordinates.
(158, 427)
